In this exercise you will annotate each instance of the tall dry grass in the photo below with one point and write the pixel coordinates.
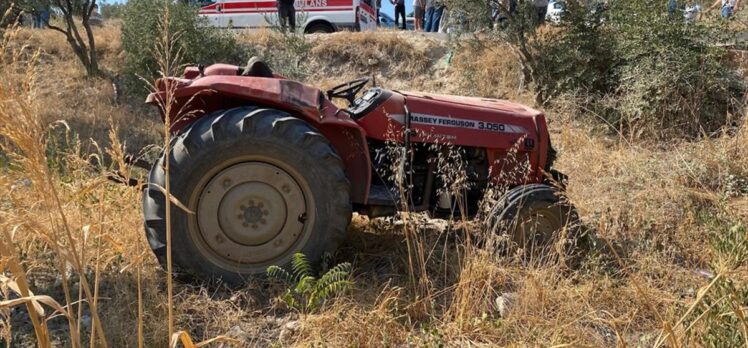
(58, 203)
(665, 266)
(25, 142)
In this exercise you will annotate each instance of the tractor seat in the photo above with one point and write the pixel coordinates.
(257, 68)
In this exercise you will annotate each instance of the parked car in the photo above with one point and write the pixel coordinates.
(556, 10)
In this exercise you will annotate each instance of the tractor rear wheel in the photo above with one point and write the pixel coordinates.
(261, 185)
(535, 218)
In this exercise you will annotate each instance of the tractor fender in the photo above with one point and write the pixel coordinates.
(195, 98)
(199, 96)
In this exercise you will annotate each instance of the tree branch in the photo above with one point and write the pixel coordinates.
(56, 28)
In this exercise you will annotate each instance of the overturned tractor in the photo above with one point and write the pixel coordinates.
(269, 167)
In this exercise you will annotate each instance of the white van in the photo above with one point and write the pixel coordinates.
(312, 16)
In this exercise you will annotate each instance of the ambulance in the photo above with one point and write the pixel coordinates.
(312, 16)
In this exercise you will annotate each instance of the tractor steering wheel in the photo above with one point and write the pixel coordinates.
(348, 90)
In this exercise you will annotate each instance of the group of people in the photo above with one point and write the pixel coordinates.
(692, 9)
(427, 14)
(38, 14)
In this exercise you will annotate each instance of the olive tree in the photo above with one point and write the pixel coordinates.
(81, 41)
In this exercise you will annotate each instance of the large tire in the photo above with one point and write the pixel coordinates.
(320, 28)
(535, 218)
(262, 185)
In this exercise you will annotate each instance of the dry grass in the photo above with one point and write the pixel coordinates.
(646, 204)
(388, 55)
(487, 70)
(88, 105)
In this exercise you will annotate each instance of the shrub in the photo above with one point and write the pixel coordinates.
(286, 53)
(640, 71)
(197, 41)
(580, 57)
(673, 77)
(110, 11)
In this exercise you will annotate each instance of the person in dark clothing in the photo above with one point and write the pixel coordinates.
(287, 14)
(41, 14)
(399, 10)
(672, 7)
(379, 5)
(541, 8)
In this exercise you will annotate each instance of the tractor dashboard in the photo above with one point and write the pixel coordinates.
(368, 102)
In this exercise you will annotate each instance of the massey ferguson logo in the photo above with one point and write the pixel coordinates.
(442, 121)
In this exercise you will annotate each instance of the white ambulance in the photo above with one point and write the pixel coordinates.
(312, 16)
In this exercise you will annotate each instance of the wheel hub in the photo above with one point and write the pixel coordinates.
(537, 228)
(254, 214)
(250, 213)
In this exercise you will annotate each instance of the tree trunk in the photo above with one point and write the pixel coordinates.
(85, 50)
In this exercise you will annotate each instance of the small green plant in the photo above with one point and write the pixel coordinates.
(717, 318)
(306, 293)
(722, 312)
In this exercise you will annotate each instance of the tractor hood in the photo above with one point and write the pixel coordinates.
(498, 105)
(499, 126)
(464, 121)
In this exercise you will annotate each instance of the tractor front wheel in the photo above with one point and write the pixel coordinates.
(536, 219)
(259, 185)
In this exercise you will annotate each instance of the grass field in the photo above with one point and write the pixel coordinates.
(665, 264)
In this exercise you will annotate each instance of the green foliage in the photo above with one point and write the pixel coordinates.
(719, 320)
(672, 75)
(110, 11)
(630, 65)
(579, 58)
(306, 293)
(197, 42)
(287, 54)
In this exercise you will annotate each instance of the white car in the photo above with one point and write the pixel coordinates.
(556, 9)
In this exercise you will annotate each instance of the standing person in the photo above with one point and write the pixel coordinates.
(419, 6)
(427, 13)
(729, 7)
(672, 7)
(436, 17)
(379, 5)
(399, 10)
(541, 9)
(35, 20)
(41, 14)
(286, 14)
(434, 11)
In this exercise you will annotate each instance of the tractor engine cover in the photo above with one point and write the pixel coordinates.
(511, 133)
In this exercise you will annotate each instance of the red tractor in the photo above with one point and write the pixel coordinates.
(270, 167)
